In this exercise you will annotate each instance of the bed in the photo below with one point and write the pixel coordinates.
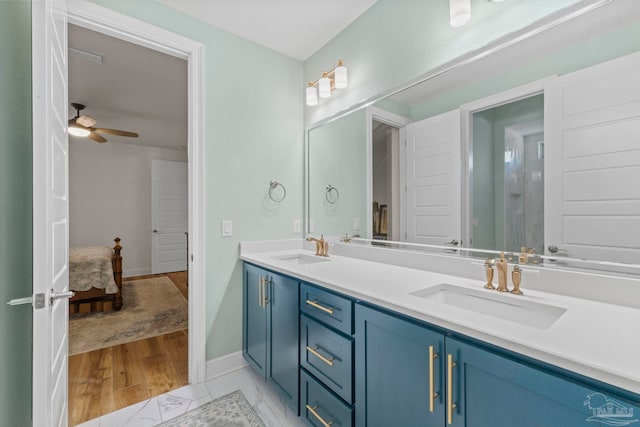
(95, 275)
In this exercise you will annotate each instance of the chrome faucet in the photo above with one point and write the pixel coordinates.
(502, 267)
(322, 247)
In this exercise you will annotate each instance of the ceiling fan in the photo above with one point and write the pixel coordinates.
(83, 126)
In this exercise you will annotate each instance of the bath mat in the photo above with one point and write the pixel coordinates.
(151, 307)
(231, 410)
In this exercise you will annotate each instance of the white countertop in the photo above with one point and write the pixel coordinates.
(595, 339)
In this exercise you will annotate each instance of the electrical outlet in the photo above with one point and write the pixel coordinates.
(227, 228)
(356, 223)
(296, 225)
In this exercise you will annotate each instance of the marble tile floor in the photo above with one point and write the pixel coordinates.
(161, 408)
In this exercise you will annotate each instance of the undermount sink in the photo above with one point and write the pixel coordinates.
(301, 259)
(491, 303)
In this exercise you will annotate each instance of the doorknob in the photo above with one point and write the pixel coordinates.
(36, 300)
(454, 242)
(155, 231)
(554, 249)
(54, 295)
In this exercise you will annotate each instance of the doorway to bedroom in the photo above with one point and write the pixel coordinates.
(134, 188)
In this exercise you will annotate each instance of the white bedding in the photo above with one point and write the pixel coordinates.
(91, 267)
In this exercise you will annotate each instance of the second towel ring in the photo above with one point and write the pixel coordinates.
(273, 184)
(329, 194)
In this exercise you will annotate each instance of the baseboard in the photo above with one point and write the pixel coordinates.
(135, 272)
(224, 364)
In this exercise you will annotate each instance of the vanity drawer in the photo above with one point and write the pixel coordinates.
(328, 308)
(327, 355)
(319, 407)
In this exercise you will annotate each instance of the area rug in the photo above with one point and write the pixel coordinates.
(151, 307)
(231, 410)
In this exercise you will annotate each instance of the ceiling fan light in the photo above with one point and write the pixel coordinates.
(459, 12)
(78, 131)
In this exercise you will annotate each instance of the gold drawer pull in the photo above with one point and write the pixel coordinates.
(433, 395)
(315, 414)
(450, 405)
(314, 351)
(319, 307)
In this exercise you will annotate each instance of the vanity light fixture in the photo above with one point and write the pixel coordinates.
(459, 12)
(330, 80)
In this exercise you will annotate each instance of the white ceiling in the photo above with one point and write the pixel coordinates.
(296, 28)
(134, 89)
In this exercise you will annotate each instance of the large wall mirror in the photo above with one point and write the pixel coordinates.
(531, 143)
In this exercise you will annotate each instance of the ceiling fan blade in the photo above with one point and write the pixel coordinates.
(116, 132)
(96, 137)
(86, 121)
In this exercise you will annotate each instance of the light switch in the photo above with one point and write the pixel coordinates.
(296, 225)
(356, 223)
(227, 228)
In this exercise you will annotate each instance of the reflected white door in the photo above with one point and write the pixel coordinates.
(592, 162)
(50, 212)
(433, 165)
(169, 216)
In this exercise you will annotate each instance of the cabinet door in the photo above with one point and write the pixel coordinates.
(491, 390)
(283, 328)
(393, 375)
(254, 324)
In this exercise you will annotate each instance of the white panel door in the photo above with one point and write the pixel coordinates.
(50, 213)
(169, 216)
(592, 162)
(433, 180)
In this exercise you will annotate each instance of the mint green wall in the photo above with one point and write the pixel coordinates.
(253, 133)
(399, 40)
(339, 153)
(15, 211)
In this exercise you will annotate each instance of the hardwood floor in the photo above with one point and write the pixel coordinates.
(112, 378)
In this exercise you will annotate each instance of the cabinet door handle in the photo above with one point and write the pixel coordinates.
(260, 281)
(314, 351)
(433, 395)
(265, 292)
(312, 409)
(450, 405)
(319, 306)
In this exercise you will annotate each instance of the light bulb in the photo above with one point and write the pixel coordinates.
(312, 95)
(78, 131)
(459, 12)
(324, 86)
(340, 75)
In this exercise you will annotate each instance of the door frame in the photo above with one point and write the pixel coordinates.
(399, 122)
(109, 22)
(466, 112)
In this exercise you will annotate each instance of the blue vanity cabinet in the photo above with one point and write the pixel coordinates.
(270, 329)
(490, 389)
(476, 385)
(399, 367)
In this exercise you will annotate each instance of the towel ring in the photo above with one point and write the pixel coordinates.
(273, 184)
(330, 190)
